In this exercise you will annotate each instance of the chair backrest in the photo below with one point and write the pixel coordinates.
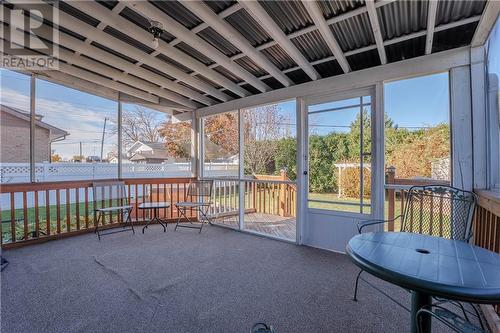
(109, 194)
(439, 210)
(200, 190)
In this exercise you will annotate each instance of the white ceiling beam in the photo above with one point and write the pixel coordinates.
(490, 15)
(268, 24)
(113, 19)
(150, 11)
(377, 33)
(431, 63)
(97, 79)
(202, 26)
(111, 60)
(395, 40)
(234, 37)
(162, 106)
(330, 21)
(431, 23)
(74, 82)
(15, 36)
(319, 21)
(88, 31)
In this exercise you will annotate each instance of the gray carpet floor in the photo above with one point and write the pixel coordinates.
(217, 281)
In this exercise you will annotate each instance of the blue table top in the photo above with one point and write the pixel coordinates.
(434, 265)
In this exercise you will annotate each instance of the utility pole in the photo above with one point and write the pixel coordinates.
(103, 132)
(81, 156)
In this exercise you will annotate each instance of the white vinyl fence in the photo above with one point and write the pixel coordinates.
(48, 172)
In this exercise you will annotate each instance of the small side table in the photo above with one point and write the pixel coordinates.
(155, 206)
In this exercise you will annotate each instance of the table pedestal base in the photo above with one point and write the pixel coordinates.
(418, 300)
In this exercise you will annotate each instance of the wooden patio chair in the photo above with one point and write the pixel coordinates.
(436, 210)
(200, 193)
(111, 197)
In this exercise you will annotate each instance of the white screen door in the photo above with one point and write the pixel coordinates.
(339, 166)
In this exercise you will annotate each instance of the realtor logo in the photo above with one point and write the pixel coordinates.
(29, 40)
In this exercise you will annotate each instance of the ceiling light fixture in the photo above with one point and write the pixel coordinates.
(156, 29)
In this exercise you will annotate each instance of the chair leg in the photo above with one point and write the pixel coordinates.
(355, 298)
(129, 219)
(181, 213)
(96, 230)
(204, 214)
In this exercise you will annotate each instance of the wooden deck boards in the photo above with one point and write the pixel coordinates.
(273, 225)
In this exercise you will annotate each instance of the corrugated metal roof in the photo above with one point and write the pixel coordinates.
(127, 39)
(364, 60)
(289, 15)
(312, 45)
(331, 8)
(279, 57)
(190, 87)
(353, 33)
(402, 18)
(110, 50)
(154, 70)
(219, 5)
(405, 50)
(142, 22)
(219, 42)
(178, 12)
(398, 18)
(210, 82)
(452, 38)
(110, 4)
(77, 13)
(298, 76)
(329, 68)
(194, 53)
(250, 88)
(449, 11)
(174, 63)
(228, 74)
(273, 83)
(248, 27)
(250, 66)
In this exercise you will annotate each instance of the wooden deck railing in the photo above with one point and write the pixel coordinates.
(42, 211)
(275, 195)
(486, 227)
(396, 192)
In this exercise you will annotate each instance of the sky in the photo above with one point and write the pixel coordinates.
(416, 102)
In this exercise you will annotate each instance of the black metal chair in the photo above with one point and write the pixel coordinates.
(437, 210)
(449, 319)
(111, 197)
(200, 193)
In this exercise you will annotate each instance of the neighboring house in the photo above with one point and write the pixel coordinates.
(148, 152)
(15, 136)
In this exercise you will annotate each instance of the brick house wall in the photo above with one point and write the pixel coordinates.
(15, 140)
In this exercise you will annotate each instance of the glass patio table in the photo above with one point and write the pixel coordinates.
(429, 266)
(155, 207)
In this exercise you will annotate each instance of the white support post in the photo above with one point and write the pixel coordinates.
(32, 127)
(302, 186)
(195, 153)
(200, 172)
(378, 152)
(241, 169)
(479, 117)
(120, 129)
(461, 128)
(493, 132)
